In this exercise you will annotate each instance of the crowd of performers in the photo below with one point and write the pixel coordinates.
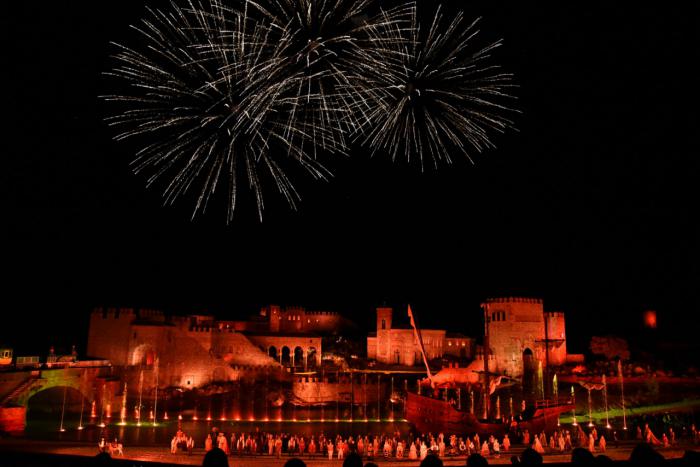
(182, 441)
(412, 447)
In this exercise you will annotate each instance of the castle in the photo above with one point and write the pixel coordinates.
(195, 350)
(397, 345)
(520, 332)
(191, 351)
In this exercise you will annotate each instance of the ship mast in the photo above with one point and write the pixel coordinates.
(546, 341)
(418, 337)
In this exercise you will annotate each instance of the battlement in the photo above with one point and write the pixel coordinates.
(554, 314)
(321, 313)
(113, 312)
(537, 301)
(148, 313)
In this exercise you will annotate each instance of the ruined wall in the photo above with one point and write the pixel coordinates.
(315, 391)
(237, 349)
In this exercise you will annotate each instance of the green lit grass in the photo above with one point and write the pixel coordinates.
(598, 416)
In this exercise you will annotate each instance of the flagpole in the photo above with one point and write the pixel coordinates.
(418, 337)
(486, 360)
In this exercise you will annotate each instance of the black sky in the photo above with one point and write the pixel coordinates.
(590, 205)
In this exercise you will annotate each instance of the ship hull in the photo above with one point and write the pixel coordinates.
(429, 415)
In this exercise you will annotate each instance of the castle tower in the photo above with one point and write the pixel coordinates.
(275, 318)
(516, 324)
(556, 333)
(384, 315)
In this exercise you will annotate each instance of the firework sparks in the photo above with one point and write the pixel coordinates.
(440, 95)
(331, 43)
(213, 94)
(203, 96)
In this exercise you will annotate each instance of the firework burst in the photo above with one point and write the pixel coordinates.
(333, 42)
(203, 95)
(438, 95)
(215, 94)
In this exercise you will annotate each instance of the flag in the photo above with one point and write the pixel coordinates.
(591, 386)
(494, 383)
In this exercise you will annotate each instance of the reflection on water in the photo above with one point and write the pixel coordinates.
(146, 434)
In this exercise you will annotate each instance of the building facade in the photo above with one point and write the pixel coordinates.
(396, 345)
(521, 334)
(191, 351)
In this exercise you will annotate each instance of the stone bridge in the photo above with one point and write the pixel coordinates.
(18, 387)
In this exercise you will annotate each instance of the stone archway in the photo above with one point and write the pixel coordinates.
(272, 352)
(298, 357)
(46, 406)
(143, 355)
(286, 356)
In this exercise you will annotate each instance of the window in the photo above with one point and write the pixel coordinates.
(383, 324)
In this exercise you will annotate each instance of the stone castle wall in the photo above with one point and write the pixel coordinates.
(109, 330)
(317, 391)
(189, 351)
(517, 327)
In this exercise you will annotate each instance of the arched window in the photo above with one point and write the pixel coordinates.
(383, 324)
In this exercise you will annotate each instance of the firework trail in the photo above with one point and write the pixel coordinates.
(203, 96)
(214, 94)
(332, 42)
(440, 95)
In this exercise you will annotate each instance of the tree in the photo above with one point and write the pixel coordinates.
(611, 347)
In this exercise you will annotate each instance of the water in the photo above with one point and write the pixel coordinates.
(147, 435)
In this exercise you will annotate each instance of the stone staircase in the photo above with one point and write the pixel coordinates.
(18, 391)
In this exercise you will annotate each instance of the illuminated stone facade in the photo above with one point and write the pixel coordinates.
(518, 327)
(191, 351)
(291, 319)
(397, 345)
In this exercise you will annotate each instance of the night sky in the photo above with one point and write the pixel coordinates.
(590, 205)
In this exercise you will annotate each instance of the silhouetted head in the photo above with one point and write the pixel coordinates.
(371, 464)
(352, 460)
(296, 462)
(215, 458)
(643, 454)
(530, 457)
(691, 458)
(476, 460)
(603, 461)
(581, 456)
(431, 460)
(102, 459)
